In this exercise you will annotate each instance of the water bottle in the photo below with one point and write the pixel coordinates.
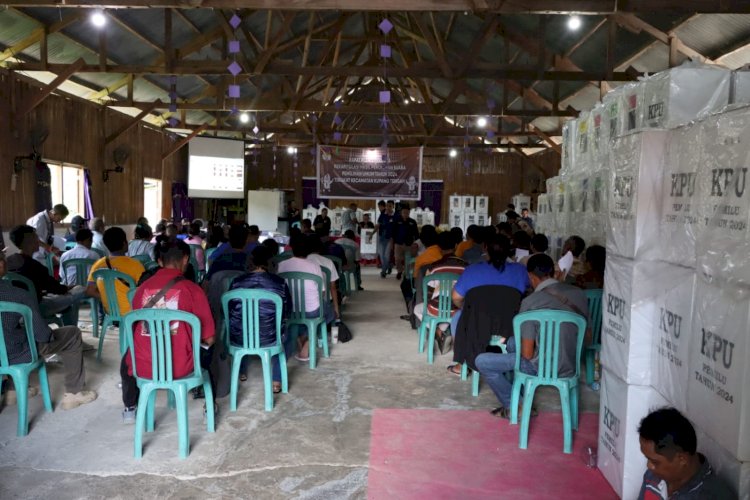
(589, 457)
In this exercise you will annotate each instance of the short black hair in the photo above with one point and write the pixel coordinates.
(670, 432)
(504, 227)
(160, 227)
(115, 239)
(539, 242)
(300, 247)
(541, 265)
(471, 231)
(458, 234)
(195, 229)
(238, 236)
(272, 245)
(521, 239)
(261, 256)
(446, 240)
(61, 210)
(596, 256)
(18, 233)
(349, 234)
(171, 251)
(142, 232)
(306, 223)
(428, 235)
(314, 243)
(381, 203)
(578, 245)
(84, 235)
(254, 230)
(512, 215)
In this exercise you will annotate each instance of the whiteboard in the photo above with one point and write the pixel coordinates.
(263, 209)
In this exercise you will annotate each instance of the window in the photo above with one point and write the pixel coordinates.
(67, 187)
(152, 200)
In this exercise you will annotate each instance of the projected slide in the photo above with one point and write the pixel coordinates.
(217, 168)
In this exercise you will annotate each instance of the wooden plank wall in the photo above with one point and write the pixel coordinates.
(77, 132)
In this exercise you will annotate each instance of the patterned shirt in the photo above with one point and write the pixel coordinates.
(16, 342)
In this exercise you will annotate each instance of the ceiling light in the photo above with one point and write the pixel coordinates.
(244, 118)
(574, 22)
(98, 18)
(406, 102)
(291, 150)
(453, 153)
(481, 122)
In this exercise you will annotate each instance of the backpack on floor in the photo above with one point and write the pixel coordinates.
(345, 335)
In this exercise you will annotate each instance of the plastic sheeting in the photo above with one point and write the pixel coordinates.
(740, 87)
(736, 474)
(724, 199)
(621, 408)
(635, 186)
(679, 208)
(599, 137)
(719, 366)
(680, 95)
(568, 146)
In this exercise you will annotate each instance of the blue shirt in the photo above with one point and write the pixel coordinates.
(226, 247)
(483, 273)
(232, 261)
(385, 228)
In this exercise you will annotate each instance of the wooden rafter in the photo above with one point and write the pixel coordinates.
(40, 96)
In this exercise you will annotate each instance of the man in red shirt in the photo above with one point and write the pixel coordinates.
(168, 289)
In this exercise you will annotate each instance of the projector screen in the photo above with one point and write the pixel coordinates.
(216, 168)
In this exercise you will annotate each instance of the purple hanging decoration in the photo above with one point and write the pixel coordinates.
(337, 120)
(234, 46)
(491, 104)
(256, 129)
(234, 110)
(172, 107)
(233, 91)
(234, 68)
(173, 80)
(384, 122)
(385, 51)
(274, 160)
(235, 21)
(385, 96)
(337, 136)
(173, 122)
(490, 134)
(385, 26)
(337, 104)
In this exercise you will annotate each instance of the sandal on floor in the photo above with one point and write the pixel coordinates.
(276, 389)
(503, 412)
(455, 369)
(243, 377)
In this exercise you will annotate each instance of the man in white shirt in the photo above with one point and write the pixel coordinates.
(44, 223)
(300, 264)
(97, 226)
(82, 250)
(349, 219)
(315, 248)
(351, 248)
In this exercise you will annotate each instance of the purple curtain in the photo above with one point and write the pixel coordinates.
(88, 206)
(182, 206)
(432, 198)
(310, 192)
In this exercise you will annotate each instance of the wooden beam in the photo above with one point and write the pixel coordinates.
(489, 28)
(37, 99)
(599, 7)
(266, 55)
(130, 124)
(637, 25)
(546, 138)
(184, 141)
(436, 50)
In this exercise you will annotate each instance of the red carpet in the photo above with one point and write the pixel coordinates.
(436, 454)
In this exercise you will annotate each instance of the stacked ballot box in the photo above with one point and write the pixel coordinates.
(467, 210)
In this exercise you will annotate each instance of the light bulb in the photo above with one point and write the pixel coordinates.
(481, 122)
(453, 153)
(291, 150)
(574, 22)
(98, 18)
(244, 118)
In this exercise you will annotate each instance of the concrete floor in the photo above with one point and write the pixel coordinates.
(314, 444)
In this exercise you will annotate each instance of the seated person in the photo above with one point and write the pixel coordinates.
(52, 296)
(322, 221)
(329, 247)
(299, 263)
(76, 223)
(522, 245)
(64, 341)
(366, 223)
(97, 226)
(675, 469)
(168, 289)
(236, 258)
(575, 246)
(593, 277)
(141, 244)
(548, 294)
(82, 250)
(539, 244)
(159, 230)
(305, 226)
(315, 248)
(259, 278)
(116, 242)
(432, 253)
(252, 234)
(478, 251)
(471, 233)
(194, 238)
(272, 247)
(351, 249)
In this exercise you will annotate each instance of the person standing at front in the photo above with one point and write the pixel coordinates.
(405, 232)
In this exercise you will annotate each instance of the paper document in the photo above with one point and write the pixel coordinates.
(566, 262)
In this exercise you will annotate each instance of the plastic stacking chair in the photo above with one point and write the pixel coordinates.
(99, 252)
(343, 281)
(147, 261)
(20, 372)
(296, 284)
(250, 300)
(112, 313)
(82, 267)
(207, 254)
(24, 283)
(70, 245)
(158, 322)
(549, 351)
(199, 274)
(595, 313)
(282, 257)
(327, 293)
(445, 282)
(50, 260)
(496, 341)
(409, 271)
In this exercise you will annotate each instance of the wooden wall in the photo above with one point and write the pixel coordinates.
(499, 176)
(77, 132)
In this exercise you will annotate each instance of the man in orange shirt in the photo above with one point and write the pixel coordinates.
(471, 233)
(432, 251)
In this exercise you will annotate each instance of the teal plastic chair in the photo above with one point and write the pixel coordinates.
(146, 260)
(70, 245)
(296, 284)
(327, 293)
(250, 300)
(549, 350)
(496, 341)
(112, 313)
(24, 283)
(282, 257)
(343, 282)
(199, 274)
(207, 254)
(82, 267)
(445, 304)
(50, 260)
(99, 252)
(409, 262)
(159, 321)
(19, 373)
(594, 298)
